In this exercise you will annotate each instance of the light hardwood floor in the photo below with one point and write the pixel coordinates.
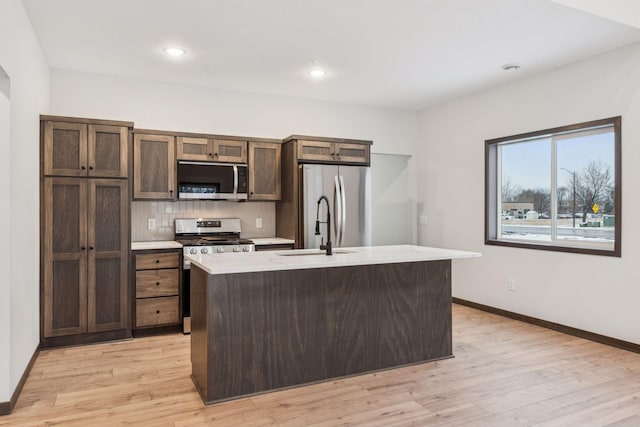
(505, 373)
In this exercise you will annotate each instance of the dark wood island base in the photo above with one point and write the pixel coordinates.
(256, 332)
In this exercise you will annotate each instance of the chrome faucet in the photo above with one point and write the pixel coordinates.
(323, 247)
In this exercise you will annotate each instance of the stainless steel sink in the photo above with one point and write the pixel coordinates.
(335, 252)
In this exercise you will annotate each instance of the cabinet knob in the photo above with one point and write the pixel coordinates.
(215, 154)
(82, 167)
(157, 261)
(82, 248)
(90, 168)
(170, 191)
(90, 248)
(157, 283)
(210, 154)
(157, 311)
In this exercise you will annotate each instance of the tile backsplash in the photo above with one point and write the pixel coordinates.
(165, 213)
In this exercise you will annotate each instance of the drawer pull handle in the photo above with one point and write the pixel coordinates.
(157, 261)
(157, 311)
(157, 283)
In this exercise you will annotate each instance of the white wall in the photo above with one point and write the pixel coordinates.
(624, 11)
(393, 210)
(164, 106)
(23, 61)
(5, 233)
(594, 293)
(175, 107)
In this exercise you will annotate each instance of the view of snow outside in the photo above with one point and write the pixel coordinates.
(585, 182)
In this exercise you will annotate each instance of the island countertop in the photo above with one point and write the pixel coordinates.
(313, 258)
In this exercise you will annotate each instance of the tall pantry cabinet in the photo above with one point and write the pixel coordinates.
(85, 230)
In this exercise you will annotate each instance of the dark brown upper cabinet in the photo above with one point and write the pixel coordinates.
(154, 163)
(333, 151)
(211, 149)
(82, 149)
(264, 170)
(85, 256)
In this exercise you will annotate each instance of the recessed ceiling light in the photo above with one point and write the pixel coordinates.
(511, 67)
(317, 73)
(174, 51)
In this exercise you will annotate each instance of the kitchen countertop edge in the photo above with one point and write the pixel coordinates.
(253, 262)
(263, 241)
(155, 244)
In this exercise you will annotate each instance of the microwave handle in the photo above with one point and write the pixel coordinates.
(235, 179)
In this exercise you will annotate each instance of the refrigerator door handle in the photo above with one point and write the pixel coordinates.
(337, 210)
(343, 210)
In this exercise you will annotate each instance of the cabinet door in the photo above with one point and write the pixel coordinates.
(352, 153)
(108, 228)
(264, 171)
(64, 300)
(225, 150)
(315, 150)
(107, 151)
(65, 149)
(153, 167)
(194, 149)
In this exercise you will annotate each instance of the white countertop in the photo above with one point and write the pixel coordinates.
(259, 241)
(248, 262)
(156, 244)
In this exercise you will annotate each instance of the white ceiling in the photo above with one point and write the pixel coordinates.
(405, 54)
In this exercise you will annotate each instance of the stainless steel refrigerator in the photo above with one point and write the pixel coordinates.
(348, 189)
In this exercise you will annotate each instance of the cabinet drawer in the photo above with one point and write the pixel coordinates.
(157, 311)
(154, 261)
(156, 283)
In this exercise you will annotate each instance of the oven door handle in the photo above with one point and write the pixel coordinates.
(235, 179)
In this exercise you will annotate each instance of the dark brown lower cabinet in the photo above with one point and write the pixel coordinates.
(157, 291)
(85, 260)
(260, 331)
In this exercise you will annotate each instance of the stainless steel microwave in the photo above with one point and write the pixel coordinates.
(212, 181)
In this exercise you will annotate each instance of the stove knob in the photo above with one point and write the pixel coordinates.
(246, 249)
(220, 250)
(193, 251)
(204, 250)
(236, 249)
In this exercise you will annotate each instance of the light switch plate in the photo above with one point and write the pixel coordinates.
(424, 220)
(151, 223)
(258, 222)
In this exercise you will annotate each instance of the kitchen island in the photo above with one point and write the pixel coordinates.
(269, 320)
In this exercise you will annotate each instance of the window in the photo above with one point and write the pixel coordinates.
(556, 189)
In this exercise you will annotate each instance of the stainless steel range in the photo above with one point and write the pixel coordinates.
(206, 236)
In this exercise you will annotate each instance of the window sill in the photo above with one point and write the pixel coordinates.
(615, 252)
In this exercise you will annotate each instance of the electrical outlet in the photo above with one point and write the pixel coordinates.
(258, 222)
(511, 284)
(424, 220)
(151, 223)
